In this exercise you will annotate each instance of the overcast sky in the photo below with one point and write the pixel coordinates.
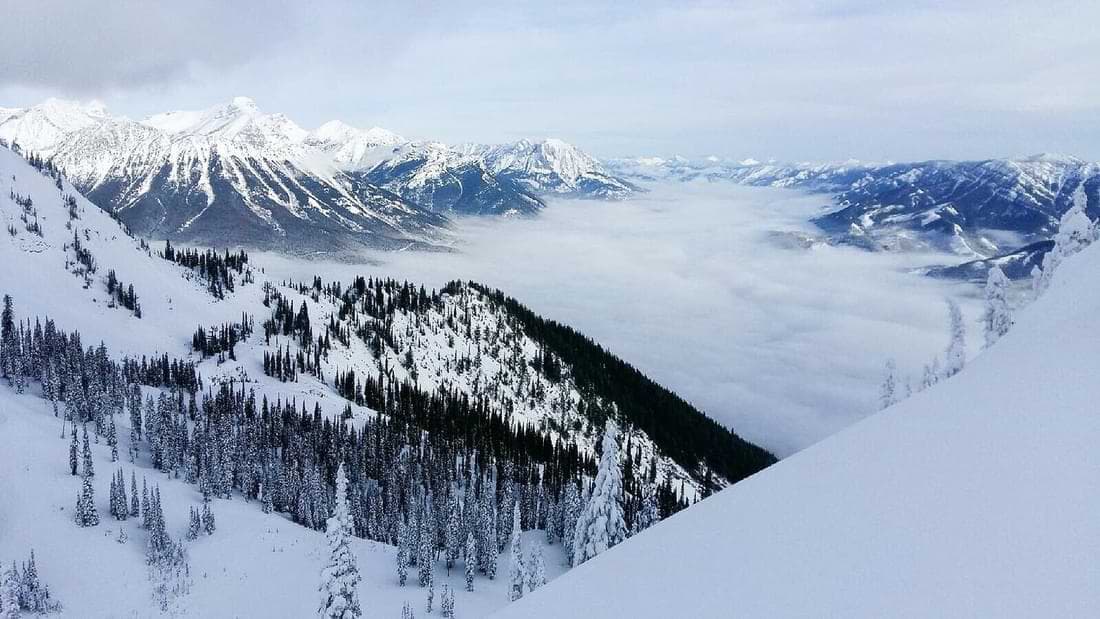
(795, 80)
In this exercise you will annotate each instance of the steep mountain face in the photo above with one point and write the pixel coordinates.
(445, 181)
(956, 502)
(233, 175)
(976, 209)
(230, 175)
(551, 167)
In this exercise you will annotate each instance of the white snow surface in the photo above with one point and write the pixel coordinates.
(979, 497)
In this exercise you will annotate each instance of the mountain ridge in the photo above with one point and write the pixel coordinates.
(235, 175)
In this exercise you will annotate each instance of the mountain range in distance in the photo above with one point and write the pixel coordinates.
(235, 175)
(994, 210)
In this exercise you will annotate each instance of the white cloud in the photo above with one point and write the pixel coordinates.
(795, 80)
(689, 284)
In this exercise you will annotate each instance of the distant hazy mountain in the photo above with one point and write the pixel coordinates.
(977, 209)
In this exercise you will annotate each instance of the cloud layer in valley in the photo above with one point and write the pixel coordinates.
(693, 285)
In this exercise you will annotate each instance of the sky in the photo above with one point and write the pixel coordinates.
(798, 80)
(700, 287)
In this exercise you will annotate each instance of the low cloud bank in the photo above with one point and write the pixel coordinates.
(713, 290)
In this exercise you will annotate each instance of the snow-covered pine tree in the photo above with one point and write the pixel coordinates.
(517, 575)
(536, 568)
(86, 514)
(402, 552)
(88, 465)
(493, 551)
(470, 560)
(1075, 232)
(9, 593)
(955, 356)
(194, 525)
(340, 576)
(208, 523)
(431, 596)
(998, 316)
(425, 546)
(452, 541)
(135, 502)
(888, 393)
(648, 512)
(74, 449)
(601, 524)
(33, 596)
(112, 438)
(447, 603)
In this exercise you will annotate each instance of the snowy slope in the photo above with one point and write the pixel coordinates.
(977, 498)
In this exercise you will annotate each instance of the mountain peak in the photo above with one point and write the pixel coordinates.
(243, 104)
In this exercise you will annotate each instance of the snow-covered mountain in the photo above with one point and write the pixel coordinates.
(235, 175)
(976, 209)
(551, 166)
(444, 180)
(978, 497)
(352, 148)
(230, 175)
(463, 382)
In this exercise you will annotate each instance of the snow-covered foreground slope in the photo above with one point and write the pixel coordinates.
(977, 498)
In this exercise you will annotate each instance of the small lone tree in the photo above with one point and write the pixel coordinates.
(998, 316)
(601, 524)
(340, 576)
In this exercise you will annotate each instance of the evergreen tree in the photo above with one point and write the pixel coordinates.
(956, 348)
(9, 593)
(208, 524)
(73, 451)
(470, 560)
(402, 552)
(86, 513)
(888, 395)
(517, 575)
(648, 513)
(601, 524)
(447, 603)
(1075, 232)
(194, 524)
(135, 505)
(340, 576)
(89, 467)
(536, 569)
(998, 316)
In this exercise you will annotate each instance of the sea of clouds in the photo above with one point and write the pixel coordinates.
(716, 291)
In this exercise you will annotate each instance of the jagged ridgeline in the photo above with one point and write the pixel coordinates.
(679, 429)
